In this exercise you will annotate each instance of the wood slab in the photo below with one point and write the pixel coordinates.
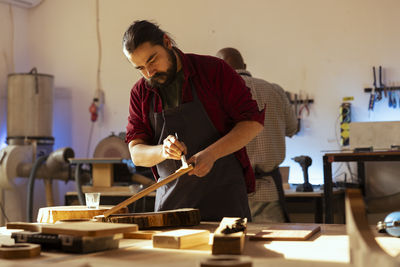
(92, 229)
(19, 251)
(286, 232)
(229, 237)
(181, 238)
(65, 213)
(32, 227)
(149, 220)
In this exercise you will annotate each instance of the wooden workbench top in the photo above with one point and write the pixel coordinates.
(328, 248)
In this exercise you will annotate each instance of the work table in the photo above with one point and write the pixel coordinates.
(330, 247)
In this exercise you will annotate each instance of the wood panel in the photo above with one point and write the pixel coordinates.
(88, 228)
(287, 232)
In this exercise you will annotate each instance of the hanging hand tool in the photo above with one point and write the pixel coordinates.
(304, 106)
(372, 97)
(382, 86)
(297, 115)
(390, 98)
(379, 89)
(394, 104)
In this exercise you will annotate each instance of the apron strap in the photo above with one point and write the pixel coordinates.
(276, 176)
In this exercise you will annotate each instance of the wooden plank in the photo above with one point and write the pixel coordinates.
(181, 238)
(286, 232)
(141, 234)
(63, 213)
(33, 227)
(149, 189)
(229, 237)
(88, 228)
(148, 220)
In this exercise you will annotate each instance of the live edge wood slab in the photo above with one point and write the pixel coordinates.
(71, 213)
(149, 220)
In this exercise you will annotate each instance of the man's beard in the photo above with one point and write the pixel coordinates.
(167, 77)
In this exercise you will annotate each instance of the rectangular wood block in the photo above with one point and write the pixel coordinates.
(229, 237)
(141, 234)
(182, 238)
(103, 175)
(88, 228)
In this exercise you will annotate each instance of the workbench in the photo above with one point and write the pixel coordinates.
(330, 247)
(360, 158)
(308, 207)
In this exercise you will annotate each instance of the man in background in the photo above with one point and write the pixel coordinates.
(267, 151)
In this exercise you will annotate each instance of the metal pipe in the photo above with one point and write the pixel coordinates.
(49, 192)
(59, 158)
(78, 184)
(31, 184)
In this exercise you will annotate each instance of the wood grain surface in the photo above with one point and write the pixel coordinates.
(88, 228)
(64, 213)
(181, 238)
(286, 232)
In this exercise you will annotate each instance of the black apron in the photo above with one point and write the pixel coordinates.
(222, 192)
(277, 177)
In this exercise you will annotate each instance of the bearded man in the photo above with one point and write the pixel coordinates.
(204, 101)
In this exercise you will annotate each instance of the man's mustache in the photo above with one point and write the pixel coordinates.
(159, 75)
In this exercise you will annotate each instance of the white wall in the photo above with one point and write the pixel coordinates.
(323, 48)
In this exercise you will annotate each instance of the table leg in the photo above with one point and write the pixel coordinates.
(318, 216)
(328, 190)
(361, 175)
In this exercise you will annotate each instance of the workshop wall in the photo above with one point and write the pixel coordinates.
(323, 49)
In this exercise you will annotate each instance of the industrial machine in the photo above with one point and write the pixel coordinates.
(30, 147)
(29, 135)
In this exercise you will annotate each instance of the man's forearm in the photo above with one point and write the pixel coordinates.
(145, 155)
(238, 137)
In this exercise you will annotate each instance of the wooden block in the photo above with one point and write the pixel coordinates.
(63, 213)
(182, 238)
(141, 234)
(19, 251)
(88, 228)
(229, 237)
(286, 232)
(103, 174)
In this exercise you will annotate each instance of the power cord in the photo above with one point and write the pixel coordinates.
(3, 212)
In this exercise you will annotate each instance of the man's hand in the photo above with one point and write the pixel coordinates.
(203, 163)
(172, 148)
